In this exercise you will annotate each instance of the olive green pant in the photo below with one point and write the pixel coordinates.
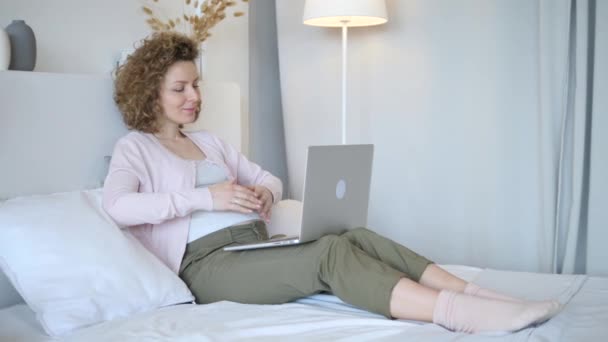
(359, 266)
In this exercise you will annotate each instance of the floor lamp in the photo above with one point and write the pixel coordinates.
(344, 14)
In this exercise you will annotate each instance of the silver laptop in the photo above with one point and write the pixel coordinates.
(335, 198)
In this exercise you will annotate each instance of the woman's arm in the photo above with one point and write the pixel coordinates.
(249, 173)
(266, 187)
(128, 207)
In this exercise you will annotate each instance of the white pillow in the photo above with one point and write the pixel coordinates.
(74, 267)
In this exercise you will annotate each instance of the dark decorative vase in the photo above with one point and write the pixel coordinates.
(23, 46)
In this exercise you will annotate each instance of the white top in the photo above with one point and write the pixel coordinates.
(206, 222)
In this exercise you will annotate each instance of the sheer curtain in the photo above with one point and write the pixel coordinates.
(566, 61)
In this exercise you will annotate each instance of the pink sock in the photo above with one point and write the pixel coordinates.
(475, 290)
(466, 313)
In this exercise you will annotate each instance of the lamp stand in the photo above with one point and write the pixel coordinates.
(344, 67)
(343, 13)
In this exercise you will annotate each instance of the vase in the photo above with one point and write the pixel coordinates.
(23, 46)
(5, 50)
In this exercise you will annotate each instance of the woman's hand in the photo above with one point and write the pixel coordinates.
(266, 198)
(231, 196)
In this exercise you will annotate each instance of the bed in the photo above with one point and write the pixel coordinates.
(324, 317)
(51, 145)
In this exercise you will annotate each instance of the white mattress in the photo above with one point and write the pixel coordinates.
(326, 318)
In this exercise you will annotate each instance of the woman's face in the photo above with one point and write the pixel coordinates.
(180, 98)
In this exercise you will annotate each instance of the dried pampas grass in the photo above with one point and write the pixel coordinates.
(204, 15)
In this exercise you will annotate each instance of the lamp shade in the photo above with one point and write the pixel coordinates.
(336, 13)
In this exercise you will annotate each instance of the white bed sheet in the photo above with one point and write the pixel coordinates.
(325, 318)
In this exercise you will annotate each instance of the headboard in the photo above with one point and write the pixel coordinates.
(57, 132)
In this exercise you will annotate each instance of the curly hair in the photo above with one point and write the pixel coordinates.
(138, 80)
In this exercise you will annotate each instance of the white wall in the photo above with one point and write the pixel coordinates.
(75, 36)
(447, 92)
(78, 37)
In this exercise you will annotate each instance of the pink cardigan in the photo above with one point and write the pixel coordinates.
(151, 190)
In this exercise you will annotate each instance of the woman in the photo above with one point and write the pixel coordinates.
(187, 195)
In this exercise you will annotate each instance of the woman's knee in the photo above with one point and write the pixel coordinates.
(360, 230)
(334, 244)
(357, 233)
(329, 241)
(335, 250)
